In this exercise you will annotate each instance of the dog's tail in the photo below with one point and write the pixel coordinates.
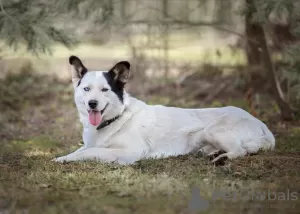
(269, 139)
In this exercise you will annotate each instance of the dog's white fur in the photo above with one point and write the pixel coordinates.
(155, 131)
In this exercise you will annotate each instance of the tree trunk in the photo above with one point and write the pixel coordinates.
(258, 54)
(252, 33)
(285, 109)
(166, 38)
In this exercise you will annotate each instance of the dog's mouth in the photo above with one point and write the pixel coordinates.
(95, 117)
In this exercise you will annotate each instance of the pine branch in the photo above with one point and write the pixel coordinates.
(32, 23)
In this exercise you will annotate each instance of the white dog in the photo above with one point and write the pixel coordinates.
(119, 128)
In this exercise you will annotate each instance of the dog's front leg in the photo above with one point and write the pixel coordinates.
(88, 139)
(121, 156)
(79, 150)
(62, 158)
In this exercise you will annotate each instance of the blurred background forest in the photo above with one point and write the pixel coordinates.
(185, 53)
(193, 52)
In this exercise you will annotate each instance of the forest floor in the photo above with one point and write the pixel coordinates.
(39, 122)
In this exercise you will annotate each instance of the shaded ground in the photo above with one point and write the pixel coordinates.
(39, 122)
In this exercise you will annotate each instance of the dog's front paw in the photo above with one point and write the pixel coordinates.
(62, 159)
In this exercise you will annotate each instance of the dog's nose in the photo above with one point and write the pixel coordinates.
(93, 103)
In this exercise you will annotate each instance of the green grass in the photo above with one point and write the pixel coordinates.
(30, 181)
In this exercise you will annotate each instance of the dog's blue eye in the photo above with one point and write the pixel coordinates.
(104, 89)
(86, 88)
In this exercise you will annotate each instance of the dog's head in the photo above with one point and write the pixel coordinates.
(99, 95)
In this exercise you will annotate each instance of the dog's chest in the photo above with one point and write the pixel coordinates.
(107, 136)
(95, 138)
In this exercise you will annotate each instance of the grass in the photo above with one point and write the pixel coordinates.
(184, 47)
(45, 128)
(31, 182)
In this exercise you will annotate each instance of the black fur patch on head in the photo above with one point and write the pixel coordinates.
(116, 86)
(117, 77)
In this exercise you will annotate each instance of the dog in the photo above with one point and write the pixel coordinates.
(122, 129)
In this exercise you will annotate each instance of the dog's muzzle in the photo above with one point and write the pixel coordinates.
(93, 104)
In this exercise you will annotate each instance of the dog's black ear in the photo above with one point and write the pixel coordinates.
(79, 68)
(120, 72)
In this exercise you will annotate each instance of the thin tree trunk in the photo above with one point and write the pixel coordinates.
(252, 33)
(258, 54)
(286, 111)
(166, 38)
(123, 8)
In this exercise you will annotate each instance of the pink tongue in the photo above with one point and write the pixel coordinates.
(95, 118)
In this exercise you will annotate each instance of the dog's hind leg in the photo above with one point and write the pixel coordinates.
(229, 155)
(224, 140)
(209, 150)
(231, 146)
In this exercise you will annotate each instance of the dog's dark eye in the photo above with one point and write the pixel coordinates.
(86, 88)
(104, 89)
